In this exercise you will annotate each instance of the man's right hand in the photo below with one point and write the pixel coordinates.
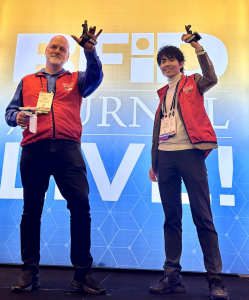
(152, 175)
(22, 119)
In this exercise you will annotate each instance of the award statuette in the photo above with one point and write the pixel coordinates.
(85, 37)
(195, 37)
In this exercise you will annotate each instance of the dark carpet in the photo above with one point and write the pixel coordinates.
(120, 284)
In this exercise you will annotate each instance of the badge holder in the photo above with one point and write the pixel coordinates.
(195, 37)
(85, 37)
(32, 113)
(168, 125)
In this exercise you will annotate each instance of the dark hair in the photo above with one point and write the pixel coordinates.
(170, 52)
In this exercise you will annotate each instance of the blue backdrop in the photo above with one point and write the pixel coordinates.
(127, 216)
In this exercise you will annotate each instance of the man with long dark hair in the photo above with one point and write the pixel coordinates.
(182, 138)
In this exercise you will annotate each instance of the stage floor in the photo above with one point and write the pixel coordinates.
(120, 284)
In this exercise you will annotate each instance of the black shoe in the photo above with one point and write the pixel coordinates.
(26, 283)
(218, 289)
(89, 285)
(168, 285)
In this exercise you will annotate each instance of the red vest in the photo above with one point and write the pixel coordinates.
(195, 118)
(64, 122)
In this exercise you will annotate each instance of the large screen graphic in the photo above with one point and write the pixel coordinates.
(127, 216)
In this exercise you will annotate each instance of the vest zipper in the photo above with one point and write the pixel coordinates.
(53, 120)
(181, 110)
(52, 108)
(52, 111)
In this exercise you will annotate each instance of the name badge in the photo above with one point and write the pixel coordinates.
(45, 102)
(172, 123)
(168, 127)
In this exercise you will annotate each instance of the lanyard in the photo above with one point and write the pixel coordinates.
(42, 86)
(173, 101)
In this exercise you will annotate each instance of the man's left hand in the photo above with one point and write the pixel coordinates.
(193, 44)
(88, 47)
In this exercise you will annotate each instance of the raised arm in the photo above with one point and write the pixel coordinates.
(90, 79)
(209, 78)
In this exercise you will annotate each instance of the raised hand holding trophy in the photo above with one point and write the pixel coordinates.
(195, 37)
(85, 37)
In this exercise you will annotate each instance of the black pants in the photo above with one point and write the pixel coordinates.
(190, 166)
(63, 159)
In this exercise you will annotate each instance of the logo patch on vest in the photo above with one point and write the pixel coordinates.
(188, 89)
(68, 86)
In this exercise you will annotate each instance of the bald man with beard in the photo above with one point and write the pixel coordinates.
(55, 149)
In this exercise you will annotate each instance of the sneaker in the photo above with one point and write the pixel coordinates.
(26, 283)
(168, 285)
(89, 284)
(218, 289)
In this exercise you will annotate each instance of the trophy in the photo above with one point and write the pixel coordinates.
(195, 37)
(85, 37)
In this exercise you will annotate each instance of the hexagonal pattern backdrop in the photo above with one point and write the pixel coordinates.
(127, 232)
